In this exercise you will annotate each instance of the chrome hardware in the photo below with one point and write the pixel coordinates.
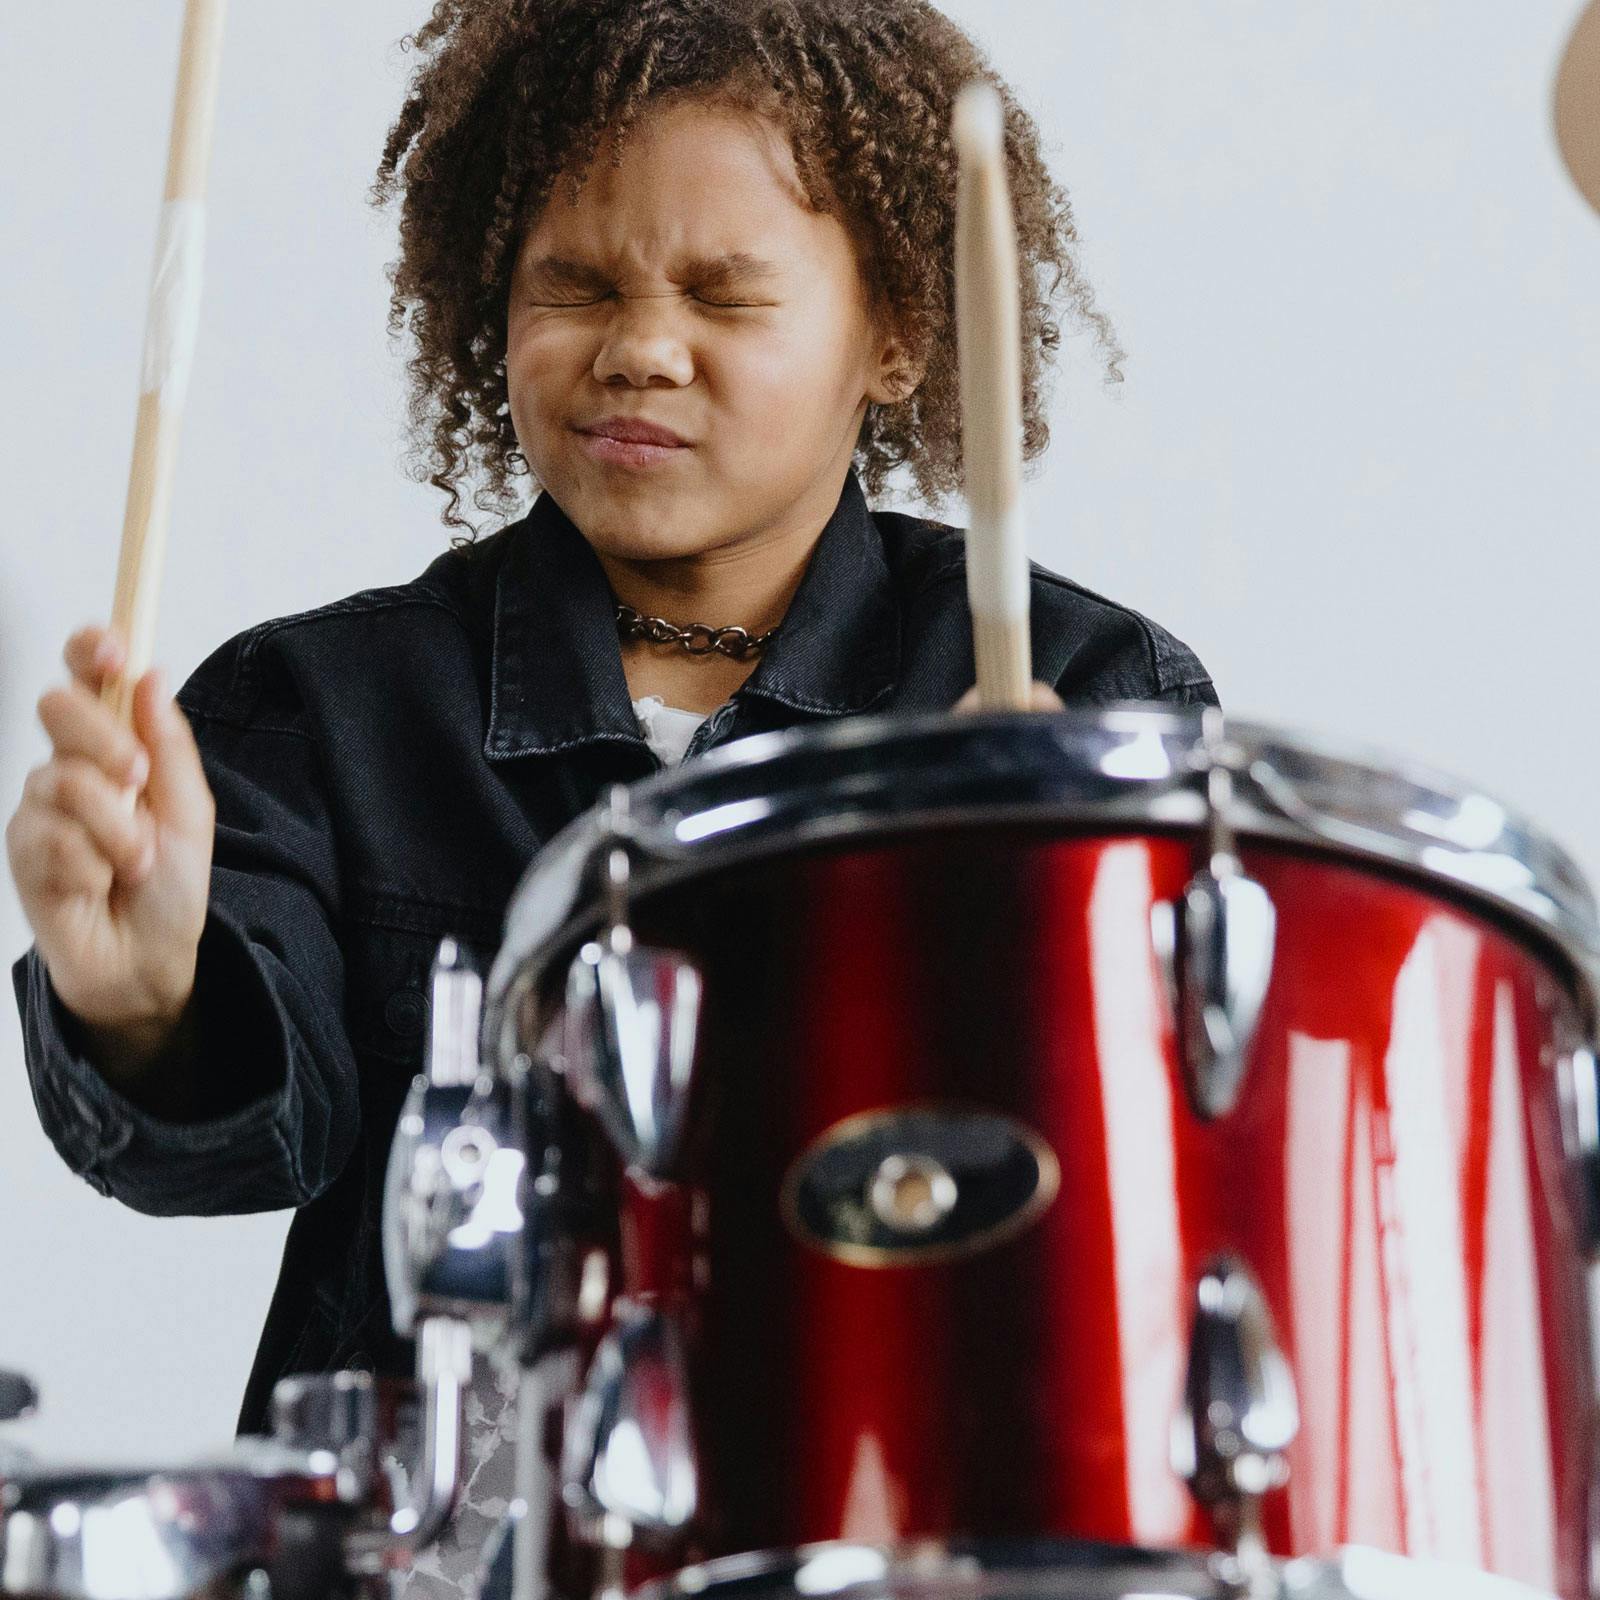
(910, 1194)
(296, 1513)
(1578, 1083)
(268, 1517)
(455, 1005)
(444, 1371)
(1240, 1413)
(628, 1469)
(18, 1396)
(84, 1535)
(630, 1024)
(452, 1213)
(917, 1184)
(960, 1569)
(333, 1413)
(452, 1227)
(629, 1028)
(1216, 945)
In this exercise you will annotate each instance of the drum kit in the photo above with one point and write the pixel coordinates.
(1101, 1154)
(1112, 1154)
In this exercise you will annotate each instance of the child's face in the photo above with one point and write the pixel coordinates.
(764, 366)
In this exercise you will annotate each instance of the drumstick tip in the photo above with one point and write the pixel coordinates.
(977, 125)
(976, 122)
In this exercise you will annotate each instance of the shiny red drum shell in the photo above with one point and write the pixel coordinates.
(1393, 1176)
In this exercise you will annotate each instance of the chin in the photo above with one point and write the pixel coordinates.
(630, 544)
(643, 533)
(645, 523)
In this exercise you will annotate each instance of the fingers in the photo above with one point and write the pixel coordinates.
(157, 755)
(73, 791)
(80, 726)
(93, 654)
(53, 858)
(177, 791)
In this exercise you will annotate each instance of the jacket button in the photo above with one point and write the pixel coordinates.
(406, 1012)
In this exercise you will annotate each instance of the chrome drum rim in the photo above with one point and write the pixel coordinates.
(1051, 1569)
(1089, 771)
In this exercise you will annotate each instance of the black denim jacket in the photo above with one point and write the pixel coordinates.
(385, 767)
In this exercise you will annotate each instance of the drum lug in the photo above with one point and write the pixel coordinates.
(628, 1470)
(1216, 948)
(630, 1024)
(632, 1019)
(451, 1225)
(1240, 1413)
(1579, 1087)
(453, 1201)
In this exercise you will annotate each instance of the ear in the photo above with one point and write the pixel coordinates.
(896, 372)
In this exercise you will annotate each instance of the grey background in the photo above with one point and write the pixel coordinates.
(1354, 463)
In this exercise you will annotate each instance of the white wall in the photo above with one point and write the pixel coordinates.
(1354, 464)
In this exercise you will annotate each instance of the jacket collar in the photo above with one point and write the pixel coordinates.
(556, 676)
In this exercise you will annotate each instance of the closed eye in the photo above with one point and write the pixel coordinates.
(572, 303)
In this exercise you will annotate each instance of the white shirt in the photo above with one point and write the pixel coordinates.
(666, 729)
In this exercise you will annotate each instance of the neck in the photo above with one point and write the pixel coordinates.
(747, 585)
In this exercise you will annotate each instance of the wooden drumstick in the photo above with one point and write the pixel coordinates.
(989, 345)
(170, 322)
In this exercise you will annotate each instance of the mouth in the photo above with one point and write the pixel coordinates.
(630, 442)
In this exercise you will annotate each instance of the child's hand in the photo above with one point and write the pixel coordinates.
(1044, 699)
(111, 853)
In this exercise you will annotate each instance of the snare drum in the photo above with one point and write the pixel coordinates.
(968, 1133)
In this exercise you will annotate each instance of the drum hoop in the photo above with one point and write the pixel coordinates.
(978, 1569)
(841, 1567)
(714, 814)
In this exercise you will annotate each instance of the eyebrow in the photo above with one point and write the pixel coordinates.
(724, 271)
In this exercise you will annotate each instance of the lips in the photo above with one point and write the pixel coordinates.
(633, 430)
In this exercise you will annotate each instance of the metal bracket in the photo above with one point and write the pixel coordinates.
(628, 1470)
(1240, 1413)
(630, 1024)
(1216, 945)
(1578, 1083)
(453, 1202)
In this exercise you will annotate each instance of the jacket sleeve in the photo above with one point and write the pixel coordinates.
(276, 1114)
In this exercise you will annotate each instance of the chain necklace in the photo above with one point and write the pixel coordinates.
(698, 639)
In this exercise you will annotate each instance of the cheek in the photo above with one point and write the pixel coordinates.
(542, 363)
(791, 385)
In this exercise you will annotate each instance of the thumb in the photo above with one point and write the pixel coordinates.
(177, 792)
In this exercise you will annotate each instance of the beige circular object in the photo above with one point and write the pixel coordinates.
(1577, 107)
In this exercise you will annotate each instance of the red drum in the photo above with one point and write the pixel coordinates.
(974, 1133)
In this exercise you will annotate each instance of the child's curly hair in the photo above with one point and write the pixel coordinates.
(513, 92)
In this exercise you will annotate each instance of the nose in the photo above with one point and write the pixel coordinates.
(644, 347)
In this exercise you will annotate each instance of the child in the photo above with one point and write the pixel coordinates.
(686, 265)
